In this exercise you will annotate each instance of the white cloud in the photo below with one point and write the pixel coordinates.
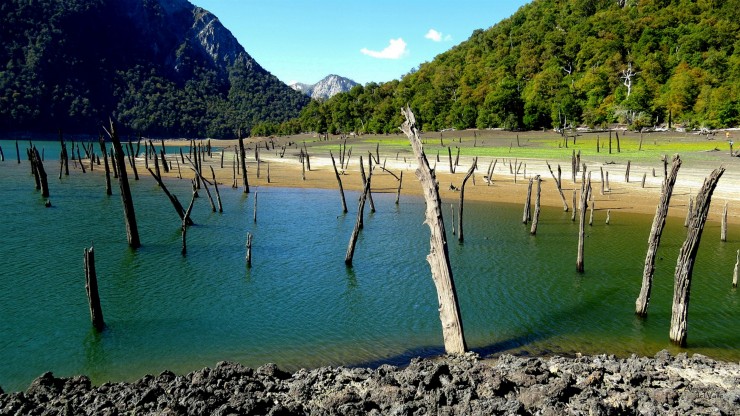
(395, 49)
(434, 35)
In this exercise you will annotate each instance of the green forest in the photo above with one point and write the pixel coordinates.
(558, 63)
(73, 64)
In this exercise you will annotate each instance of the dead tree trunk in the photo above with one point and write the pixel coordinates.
(132, 230)
(527, 215)
(438, 258)
(643, 300)
(559, 186)
(185, 223)
(242, 157)
(460, 237)
(199, 175)
(536, 218)
(575, 207)
(40, 172)
(582, 226)
(687, 257)
(365, 179)
(737, 270)
(358, 224)
(103, 150)
(339, 181)
(627, 173)
(91, 287)
(723, 227)
(173, 199)
(689, 212)
(218, 194)
(400, 182)
(249, 249)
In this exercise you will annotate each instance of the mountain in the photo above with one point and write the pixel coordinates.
(160, 67)
(574, 62)
(328, 87)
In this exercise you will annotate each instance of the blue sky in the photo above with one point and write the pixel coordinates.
(368, 40)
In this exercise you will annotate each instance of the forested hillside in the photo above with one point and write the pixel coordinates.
(558, 62)
(160, 67)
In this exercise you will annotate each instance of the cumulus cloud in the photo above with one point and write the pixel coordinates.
(434, 35)
(395, 49)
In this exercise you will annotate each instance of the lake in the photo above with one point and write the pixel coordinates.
(299, 305)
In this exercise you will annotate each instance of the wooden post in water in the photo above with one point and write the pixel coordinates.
(438, 258)
(661, 212)
(687, 257)
(339, 181)
(527, 215)
(40, 172)
(103, 150)
(737, 270)
(644, 176)
(358, 224)
(91, 287)
(558, 184)
(2, 155)
(132, 230)
(723, 226)
(536, 218)
(462, 196)
(585, 190)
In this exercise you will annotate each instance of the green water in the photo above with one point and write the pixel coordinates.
(299, 306)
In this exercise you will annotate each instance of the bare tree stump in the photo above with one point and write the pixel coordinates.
(536, 218)
(575, 207)
(91, 287)
(687, 257)
(462, 196)
(737, 270)
(132, 230)
(608, 216)
(644, 176)
(254, 209)
(438, 258)
(661, 212)
(723, 226)
(627, 173)
(249, 249)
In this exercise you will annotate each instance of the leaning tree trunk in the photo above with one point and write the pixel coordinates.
(460, 237)
(132, 230)
(559, 185)
(687, 257)
(358, 224)
(641, 304)
(339, 180)
(438, 258)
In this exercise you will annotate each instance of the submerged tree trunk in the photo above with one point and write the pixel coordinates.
(91, 287)
(686, 259)
(641, 304)
(723, 225)
(242, 157)
(132, 230)
(527, 214)
(108, 190)
(585, 190)
(536, 218)
(358, 224)
(438, 258)
(460, 237)
(735, 273)
(339, 181)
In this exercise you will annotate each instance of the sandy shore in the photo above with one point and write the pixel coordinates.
(286, 171)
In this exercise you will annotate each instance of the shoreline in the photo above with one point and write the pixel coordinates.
(465, 384)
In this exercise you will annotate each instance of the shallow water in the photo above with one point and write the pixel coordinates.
(299, 305)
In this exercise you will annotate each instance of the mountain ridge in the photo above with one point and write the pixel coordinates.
(327, 87)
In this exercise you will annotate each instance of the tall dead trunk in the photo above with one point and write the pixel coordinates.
(687, 257)
(339, 181)
(243, 159)
(438, 258)
(536, 218)
(400, 183)
(661, 212)
(103, 150)
(132, 230)
(91, 287)
(41, 172)
(585, 190)
(358, 224)
(723, 226)
(249, 249)
(460, 237)
(185, 223)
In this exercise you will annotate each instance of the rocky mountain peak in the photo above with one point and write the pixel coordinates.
(328, 87)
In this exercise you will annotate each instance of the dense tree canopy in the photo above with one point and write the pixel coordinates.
(558, 62)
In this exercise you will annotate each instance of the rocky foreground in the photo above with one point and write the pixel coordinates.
(448, 385)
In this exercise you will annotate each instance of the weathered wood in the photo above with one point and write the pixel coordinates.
(737, 270)
(536, 218)
(91, 287)
(449, 156)
(218, 194)
(608, 188)
(198, 174)
(185, 220)
(558, 185)
(527, 213)
(687, 257)
(173, 199)
(249, 249)
(627, 172)
(82, 165)
(575, 207)
(460, 237)
(339, 181)
(243, 160)
(359, 223)
(108, 190)
(40, 172)
(365, 179)
(438, 258)
(689, 212)
(723, 226)
(132, 230)
(400, 183)
(644, 176)
(661, 212)
(591, 213)
(113, 163)
(585, 190)
(608, 216)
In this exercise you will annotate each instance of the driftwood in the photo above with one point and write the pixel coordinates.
(359, 223)
(339, 181)
(91, 287)
(460, 237)
(661, 212)
(687, 257)
(536, 218)
(132, 230)
(438, 258)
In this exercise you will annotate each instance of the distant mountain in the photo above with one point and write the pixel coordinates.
(328, 87)
(160, 67)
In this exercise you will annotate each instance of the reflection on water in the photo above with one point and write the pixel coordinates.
(299, 305)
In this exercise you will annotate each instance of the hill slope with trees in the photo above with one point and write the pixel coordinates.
(160, 67)
(565, 62)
